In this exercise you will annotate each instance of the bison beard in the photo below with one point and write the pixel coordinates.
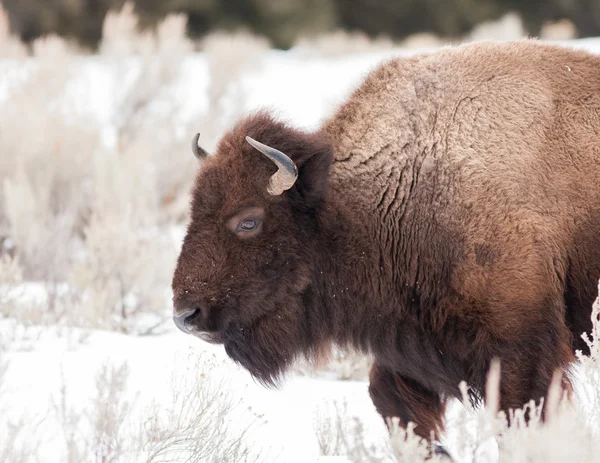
(267, 347)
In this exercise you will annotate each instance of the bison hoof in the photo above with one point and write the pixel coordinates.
(441, 451)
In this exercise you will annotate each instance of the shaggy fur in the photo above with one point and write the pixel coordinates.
(446, 215)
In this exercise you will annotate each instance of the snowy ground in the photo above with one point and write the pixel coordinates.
(59, 358)
(44, 360)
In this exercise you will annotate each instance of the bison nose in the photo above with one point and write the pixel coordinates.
(190, 314)
(180, 318)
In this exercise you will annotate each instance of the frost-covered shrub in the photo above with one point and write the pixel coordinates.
(204, 422)
(3, 368)
(339, 433)
(228, 57)
(15, 445)
(159, 55)
(423, 40)
(588, 378)
(340, 43)
(201, 422)
(76, 208)
(11, 275)
(146, 135)
(345, 365)
(44, 165)
(96, 431)
(10, 46)
(349, 365)
(124, 275)
(508, 27)
(558, 30)
(331, 427)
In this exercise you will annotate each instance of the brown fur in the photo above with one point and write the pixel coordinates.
(446, 215)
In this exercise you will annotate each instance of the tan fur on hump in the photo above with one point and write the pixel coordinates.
(504, 130)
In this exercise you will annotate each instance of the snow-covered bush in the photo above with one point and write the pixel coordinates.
(202, 421)
(74, 208)
(98, 209)
(342, 364)
(558, 30)
(331, 427)
(44, 164)
(96, 431)
(124, 276)
(508, 27)
(349, 365)
(15, 445)
(10, 46)
(3, 368)
(588, 378)
(11, 275)
(339, 433)
(339, 43)
(228, 56)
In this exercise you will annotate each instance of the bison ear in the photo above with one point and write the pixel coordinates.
(313, 174)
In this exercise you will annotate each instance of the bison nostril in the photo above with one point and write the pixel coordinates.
(180, 319)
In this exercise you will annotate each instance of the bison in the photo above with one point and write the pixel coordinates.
(447, 214)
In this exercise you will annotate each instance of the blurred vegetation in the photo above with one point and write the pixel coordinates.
(284, 21)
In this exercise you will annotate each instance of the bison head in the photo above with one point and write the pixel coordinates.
(250, 251)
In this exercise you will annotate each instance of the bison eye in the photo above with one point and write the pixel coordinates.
(248, 227)
(248, 224)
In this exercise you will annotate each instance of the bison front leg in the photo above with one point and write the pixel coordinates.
(526, 379)
(395, 396)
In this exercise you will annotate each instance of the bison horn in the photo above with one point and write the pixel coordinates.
(287, 172)
(198, 151)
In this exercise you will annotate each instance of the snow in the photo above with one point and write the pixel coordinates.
(302, 90)
(58, 357)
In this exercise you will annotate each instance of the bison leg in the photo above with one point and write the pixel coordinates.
(513, 393)
(527, 367)
(395, 396)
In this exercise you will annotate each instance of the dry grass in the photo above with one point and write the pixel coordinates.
(508, 27)
(558, 30)
(348, 365)
(10, 46)
(76, 209)
(198, 425)
(15, 445)
(99, 428)
(339, 433)
(340, 43)
(202, 423)
(342, 364)
(228, 56)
